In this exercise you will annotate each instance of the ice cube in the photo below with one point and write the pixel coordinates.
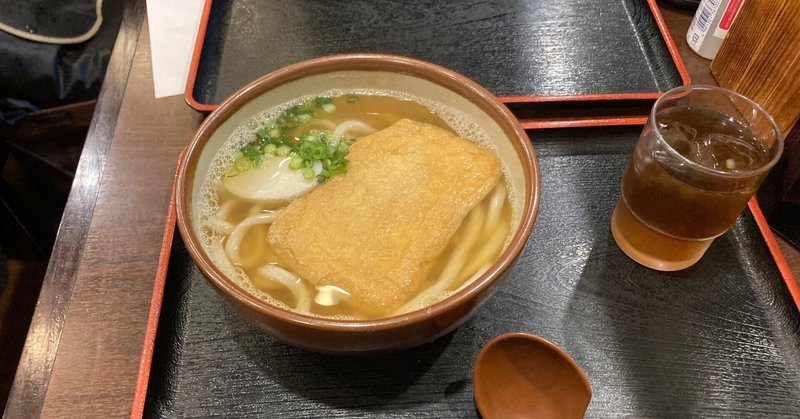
(678, 135)
(728, 153)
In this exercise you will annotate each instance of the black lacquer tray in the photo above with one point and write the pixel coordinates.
(525, 51)
(720, 339)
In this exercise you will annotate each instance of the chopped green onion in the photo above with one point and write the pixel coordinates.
(329, 108)
(251, 151)
(304, 117)
(296, 163)
(283, 151)
(322, 101)
(242, 163)
(307, 149)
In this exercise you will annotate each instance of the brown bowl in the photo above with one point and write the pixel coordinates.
(350, 72)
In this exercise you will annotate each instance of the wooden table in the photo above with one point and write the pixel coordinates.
(86, 340)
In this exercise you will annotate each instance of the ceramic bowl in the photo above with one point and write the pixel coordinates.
(356, 72)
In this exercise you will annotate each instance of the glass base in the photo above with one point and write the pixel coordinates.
(651, 248)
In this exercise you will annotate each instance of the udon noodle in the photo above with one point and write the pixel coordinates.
(236, 220)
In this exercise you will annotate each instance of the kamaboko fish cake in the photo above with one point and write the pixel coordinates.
(376, 232)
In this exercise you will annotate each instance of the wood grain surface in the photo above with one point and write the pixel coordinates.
(84, 346)
(760, 58)
(44, 336)
(121, 251)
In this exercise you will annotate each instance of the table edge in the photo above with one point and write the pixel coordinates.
(29, 388)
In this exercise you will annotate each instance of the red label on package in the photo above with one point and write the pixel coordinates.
(730, 14)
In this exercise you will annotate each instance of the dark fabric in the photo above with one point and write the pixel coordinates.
(36, 76)
(56, 18)
(12, 110)
(3, 271)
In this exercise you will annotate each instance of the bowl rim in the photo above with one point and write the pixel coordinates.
(442, 76)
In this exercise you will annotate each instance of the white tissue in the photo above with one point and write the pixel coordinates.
(173, 30)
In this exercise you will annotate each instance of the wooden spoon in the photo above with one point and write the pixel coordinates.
(518, 375)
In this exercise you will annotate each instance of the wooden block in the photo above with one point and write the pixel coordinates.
(760, 57)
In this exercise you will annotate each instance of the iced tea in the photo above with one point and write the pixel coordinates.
(690, 175)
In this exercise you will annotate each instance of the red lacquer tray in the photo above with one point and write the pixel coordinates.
(554, 63)
(719, 338)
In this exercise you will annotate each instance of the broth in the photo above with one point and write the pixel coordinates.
(476, 248)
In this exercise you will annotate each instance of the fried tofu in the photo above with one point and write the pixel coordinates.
(376, 231)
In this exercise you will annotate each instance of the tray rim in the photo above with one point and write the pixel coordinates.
(154, 313)
(565, 123)
(156, 300)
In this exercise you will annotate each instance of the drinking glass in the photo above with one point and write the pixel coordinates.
(701, 156)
